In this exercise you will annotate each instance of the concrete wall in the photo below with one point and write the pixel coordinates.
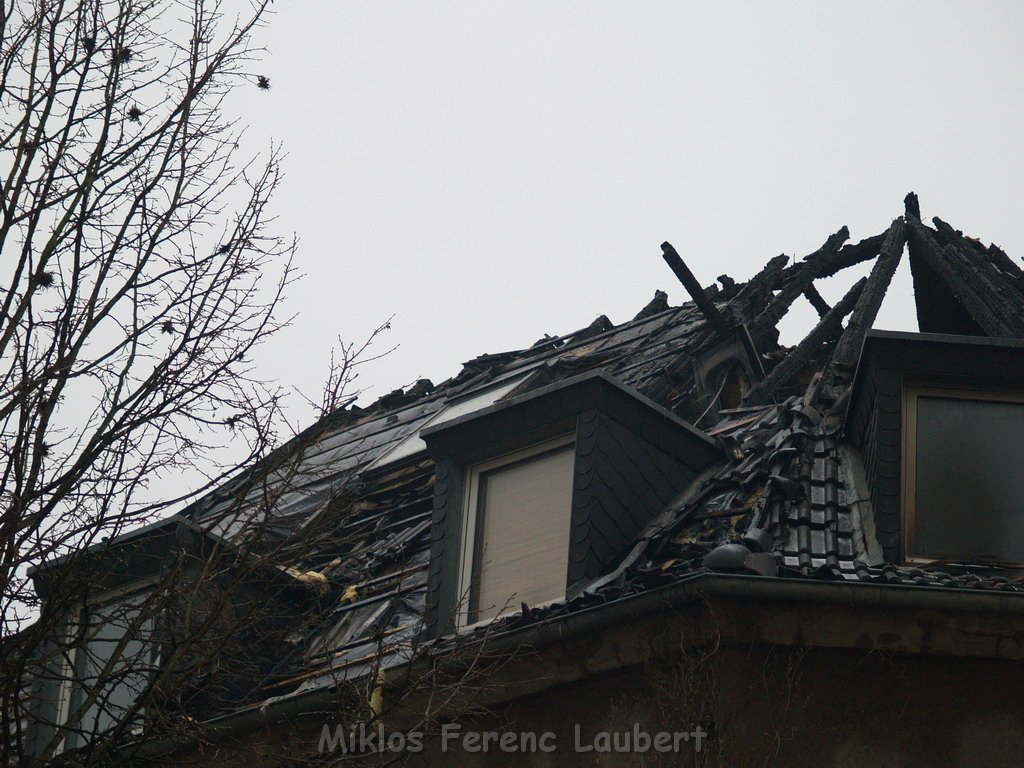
(850, 677)
(769, 706)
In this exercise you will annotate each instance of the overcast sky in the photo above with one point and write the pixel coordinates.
(490, 172)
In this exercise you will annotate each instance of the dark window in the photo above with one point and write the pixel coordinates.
(111, 668)
(965, 475)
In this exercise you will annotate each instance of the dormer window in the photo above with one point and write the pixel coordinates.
(537, 496)
(963, 475)
(939, 421)
(517, 531)
(107, 668)
(130, 603)
(723, 373)
(102, 661)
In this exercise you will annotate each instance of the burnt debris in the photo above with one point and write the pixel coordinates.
(782, 501)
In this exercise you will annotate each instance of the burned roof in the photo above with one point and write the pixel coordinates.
(788, 499)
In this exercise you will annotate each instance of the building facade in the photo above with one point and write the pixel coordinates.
(670, 541)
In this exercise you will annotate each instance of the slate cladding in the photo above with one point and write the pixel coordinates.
(631, 458)
(789, 498)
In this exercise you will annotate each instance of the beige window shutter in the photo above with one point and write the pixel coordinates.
(522, 541)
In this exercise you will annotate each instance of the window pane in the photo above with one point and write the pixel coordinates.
(414, 443)
(969, 480)
(523, 534)
(118, 686)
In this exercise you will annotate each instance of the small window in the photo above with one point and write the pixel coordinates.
(963, 475)
(108, 669)
(516, 543)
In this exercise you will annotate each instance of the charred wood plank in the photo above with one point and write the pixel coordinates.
(849, 256)
(1000, 257)
(912, 206)
(946, 235)
(801, 276)
(964, 278)
(1000, 269)
(693, 287)
(752, 296)
(655, 306)
(817, 301)
(847, 351)
(826, 330)
(755, 294)
(938, 308)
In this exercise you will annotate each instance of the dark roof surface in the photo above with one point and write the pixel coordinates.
(789, 499)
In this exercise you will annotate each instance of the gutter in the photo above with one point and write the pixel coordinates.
(690, 591)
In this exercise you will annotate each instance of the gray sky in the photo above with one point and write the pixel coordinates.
(490, 172)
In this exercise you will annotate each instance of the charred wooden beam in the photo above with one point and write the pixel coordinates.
(777, 272)
(1000, 269)
(729, 286)
(847, 351)
(798, 358)
(938, 308)
(1001, 258)
(912, 206)
(851, 255)
(817, 301)
(753, 294)
(655, 306)
(946, 235)
(693, 287)
(800, 278)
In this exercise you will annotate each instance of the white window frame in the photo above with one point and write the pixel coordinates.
(69, 660)
(471, 509)
(67, 676)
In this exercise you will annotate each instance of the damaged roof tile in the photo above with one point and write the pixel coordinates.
(781, 502)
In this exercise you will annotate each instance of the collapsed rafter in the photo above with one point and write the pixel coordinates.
(960, 285)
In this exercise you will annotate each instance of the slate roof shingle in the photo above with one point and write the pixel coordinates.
(787, 496)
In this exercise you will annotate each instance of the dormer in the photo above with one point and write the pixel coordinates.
(99, 665)
(939, 421)
(169, 590)
(538, 495)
